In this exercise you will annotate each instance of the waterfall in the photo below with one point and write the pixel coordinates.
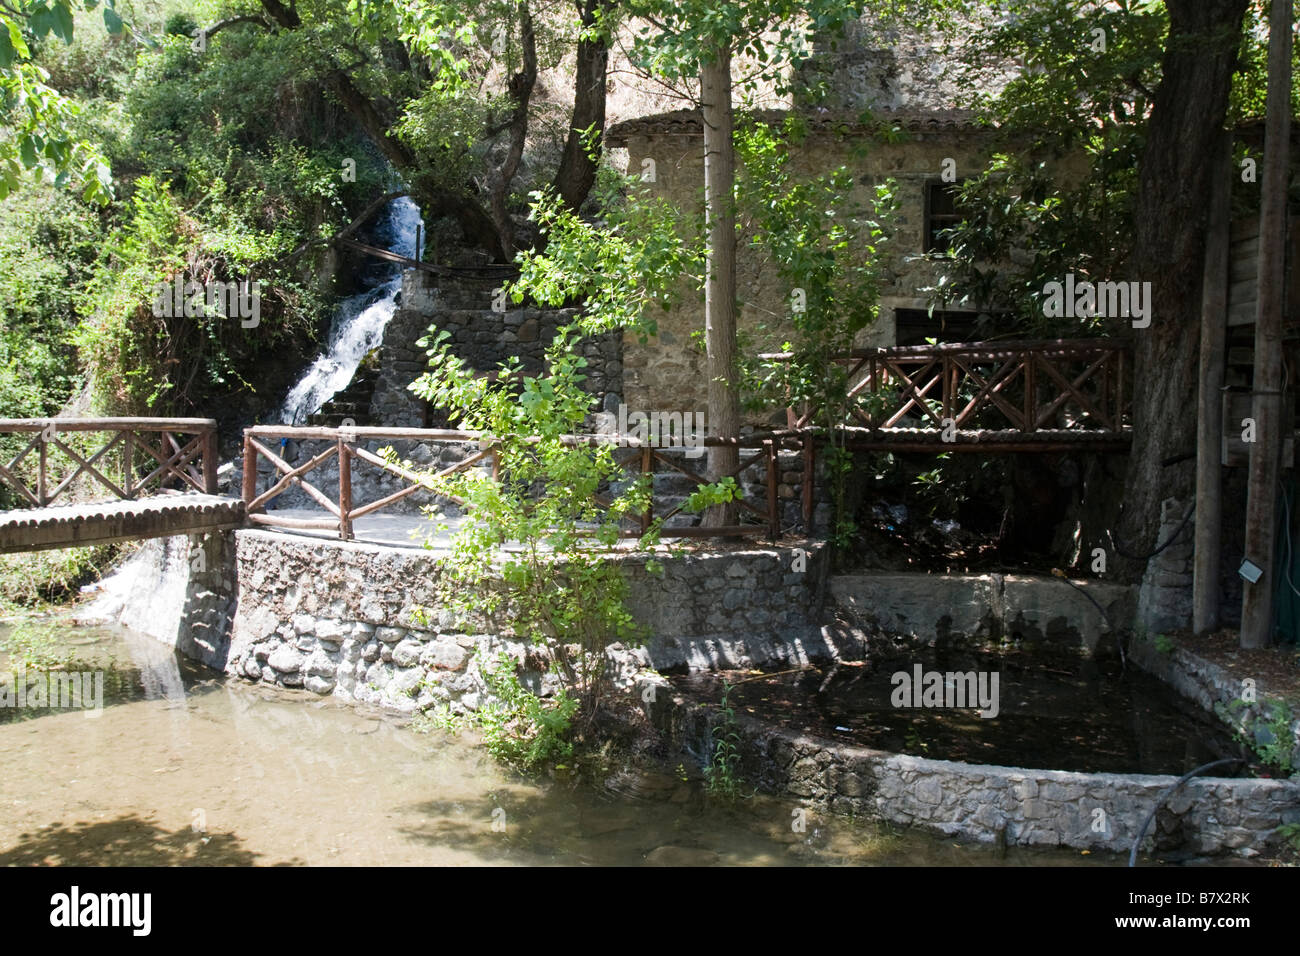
(359, 324)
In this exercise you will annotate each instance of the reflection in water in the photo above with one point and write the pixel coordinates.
(187, 768)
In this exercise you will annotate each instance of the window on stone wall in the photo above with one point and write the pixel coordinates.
(941, 212)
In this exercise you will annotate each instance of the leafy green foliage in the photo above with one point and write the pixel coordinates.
(827, 251)
(41, 122)
(624, 268)
(722, 771)
(561, 586)
(519, 728)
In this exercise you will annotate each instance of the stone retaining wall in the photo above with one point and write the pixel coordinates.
(353, 632)
(1090, 811)
(987, 607)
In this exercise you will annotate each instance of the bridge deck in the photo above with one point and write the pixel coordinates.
(71, 526)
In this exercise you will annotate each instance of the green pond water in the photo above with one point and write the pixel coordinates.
(183, 766)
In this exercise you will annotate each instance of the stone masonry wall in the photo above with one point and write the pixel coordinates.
(353, 634)
(667, 373)
(980, 802)
(481, 336)
(986, 607)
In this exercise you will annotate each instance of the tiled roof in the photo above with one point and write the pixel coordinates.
(687, 122)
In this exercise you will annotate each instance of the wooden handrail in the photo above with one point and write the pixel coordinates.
(346, 442)
(192, 463)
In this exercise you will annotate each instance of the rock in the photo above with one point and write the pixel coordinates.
(286, 659)
(445, 655)
(390, 635)
(319, 685)
(407, 653)
(680, 856)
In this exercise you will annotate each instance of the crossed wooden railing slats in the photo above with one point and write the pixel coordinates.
(346, 446)
(189, 464)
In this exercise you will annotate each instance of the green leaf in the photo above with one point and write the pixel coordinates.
(112, 21)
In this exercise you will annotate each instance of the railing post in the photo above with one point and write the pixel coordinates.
(345, 489)
(128, 463)
(773, 507)
(1031, 399)
(809, 478)
(210, 461)
(250, 469)
(647, 463)
(40, 473)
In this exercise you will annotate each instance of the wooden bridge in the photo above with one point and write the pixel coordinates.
(985, 397)
(1058, 395)
(140, 462)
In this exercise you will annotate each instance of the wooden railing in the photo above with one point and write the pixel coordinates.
(168, 464)
(1060, 385)
(345, 445)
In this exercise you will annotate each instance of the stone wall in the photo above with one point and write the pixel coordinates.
(355, 634)
(984, 802)
(480, 335)
(667, 373)
(987, 607)
(1216, 690)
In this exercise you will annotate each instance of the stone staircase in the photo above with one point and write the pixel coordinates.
(353, 403)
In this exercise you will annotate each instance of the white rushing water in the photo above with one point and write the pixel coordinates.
(359, 324)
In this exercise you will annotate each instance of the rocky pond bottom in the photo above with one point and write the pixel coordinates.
(182, 766)
(1060, 713)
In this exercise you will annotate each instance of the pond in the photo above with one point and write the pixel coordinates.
(1055, 712)
(183, 766)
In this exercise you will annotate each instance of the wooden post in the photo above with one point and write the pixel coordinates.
(773, 506)
(1209, 473)
(210, 461)
(647, 468)
(1031, 399)
(1265, 453)
(40, 473)
(250, 469)
(128, 466)
(345, 489)
(809, 479)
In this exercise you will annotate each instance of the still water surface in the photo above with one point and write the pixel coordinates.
(183, 766)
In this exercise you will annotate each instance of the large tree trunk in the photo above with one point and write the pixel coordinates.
(720, 282)
(577, 172)
(1169, 237)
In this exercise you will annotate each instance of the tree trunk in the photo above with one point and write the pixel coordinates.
(1265, 453)
(521, 92)
(577, 172)
(720, 282)
(1174, 178)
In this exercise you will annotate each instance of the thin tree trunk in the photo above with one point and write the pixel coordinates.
(577, 171)
(1265, 453)
(720, 283)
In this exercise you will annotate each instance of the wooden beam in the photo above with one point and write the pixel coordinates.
(1262, 488)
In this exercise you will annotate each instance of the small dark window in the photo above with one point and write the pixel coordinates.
(942, 211)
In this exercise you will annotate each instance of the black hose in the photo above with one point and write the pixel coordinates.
(1123, 661)
(1191, 509)
(1132, 856)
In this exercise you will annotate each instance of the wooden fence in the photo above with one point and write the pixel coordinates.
(346, 445)
(134, 456)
